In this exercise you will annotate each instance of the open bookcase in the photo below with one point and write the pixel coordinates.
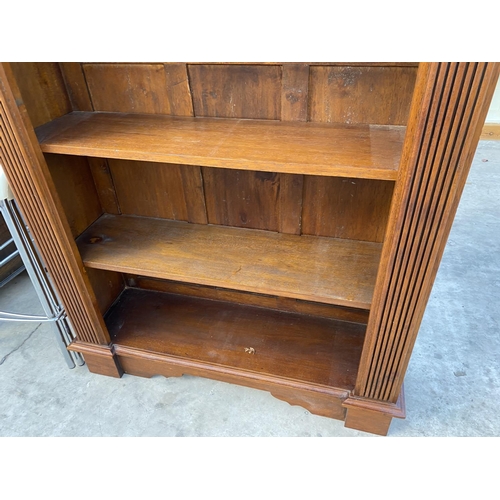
(274, 225)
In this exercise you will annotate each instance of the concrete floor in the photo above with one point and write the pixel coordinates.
(452, 384)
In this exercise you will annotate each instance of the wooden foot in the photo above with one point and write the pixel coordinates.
(99, 359)
(373, 416)
(368, 421)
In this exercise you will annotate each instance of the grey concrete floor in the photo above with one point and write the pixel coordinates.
(452, 384)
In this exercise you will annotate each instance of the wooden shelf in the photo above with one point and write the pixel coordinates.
(363, 151)
(327, 270)
(211, 335)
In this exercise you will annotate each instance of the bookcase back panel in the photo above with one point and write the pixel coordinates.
(257, 200)
(236, 91)
(159, 190)
(295, 204)
(139, 88)
(75, 187)
(255, 299)
(374, 95)
(107, 287)
(43, 91)
(355, 209)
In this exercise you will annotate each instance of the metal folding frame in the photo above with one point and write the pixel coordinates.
(54, 311)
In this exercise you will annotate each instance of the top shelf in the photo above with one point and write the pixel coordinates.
(362, 151)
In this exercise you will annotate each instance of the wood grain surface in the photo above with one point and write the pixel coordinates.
(249, 298)
(448, 113)
(236, 91)
(357, 209)
(128, 88)
(249, 339)
(75, 187)
(376, 95)
(159, 190)
(43, 90)
(256, 200)
(311, 148)
(328, 270)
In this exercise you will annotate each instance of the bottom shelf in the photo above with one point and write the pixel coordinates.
(155, 333)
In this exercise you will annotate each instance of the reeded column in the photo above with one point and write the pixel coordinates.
(28, 175)
(448, 110)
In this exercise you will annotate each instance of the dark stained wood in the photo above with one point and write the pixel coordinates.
(42, 90)
(76, 86)
(376, 95)
(99, 359)
(104, 184)
(294, 96)
(290, 199)
(236, 91)
(107, 287)
(179, 93)
(285, 345)
(159, 190)
(29, 178)
(357, 209)
(257, 200)
(317, 63)
(332, 271)
(320, 400)
(251, 299)
(370, 415)
(128, 88)
(448, 112)
(231, 288)
(367, 64)
(76, 190)
(291, 147)
(242, 198)
(370, 421)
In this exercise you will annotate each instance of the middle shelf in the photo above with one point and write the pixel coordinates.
(319, 269)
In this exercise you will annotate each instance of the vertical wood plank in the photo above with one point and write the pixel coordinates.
(194, 194)
(448, 112)
(104, 185)
(76, 86)
(79, 96)
(76, 190)
(237, 198)
(236, 91)
(374, 95)
(294, 99)
(107, 287)
(242, 198)
(178, 91)
(295, 87)
(256, 200)
(290, 203)
(128, 88)
(42, 90)
(356, 209)
(159, 190)
(146, 88)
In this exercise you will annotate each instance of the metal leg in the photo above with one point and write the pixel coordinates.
(52, 307)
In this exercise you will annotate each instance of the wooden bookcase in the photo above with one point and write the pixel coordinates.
(271, 225)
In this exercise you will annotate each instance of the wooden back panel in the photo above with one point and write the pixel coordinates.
(296, 204)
